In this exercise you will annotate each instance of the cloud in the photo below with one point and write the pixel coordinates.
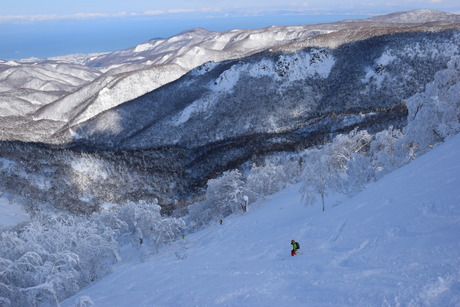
(35, 18)
(156, 12)
(294, 7)
(181, 11)
(77, 16)
(301, 4)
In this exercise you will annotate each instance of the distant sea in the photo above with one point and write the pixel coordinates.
(57, 38)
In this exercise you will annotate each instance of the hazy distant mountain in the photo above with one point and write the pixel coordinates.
(418, 17)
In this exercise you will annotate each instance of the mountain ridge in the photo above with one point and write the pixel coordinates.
(221, 79)
(194, 125)
(198, 44)
(418, 16)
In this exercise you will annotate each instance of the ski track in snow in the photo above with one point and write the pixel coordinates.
(394, 244)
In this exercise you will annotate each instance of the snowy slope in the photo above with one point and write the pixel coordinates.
(107, 92)
(394, 244)
(11, 214)
(24, 88)
(194, 47)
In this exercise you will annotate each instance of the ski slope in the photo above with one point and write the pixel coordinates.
(395, 244)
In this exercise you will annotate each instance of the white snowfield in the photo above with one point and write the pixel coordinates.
(11, 213)
(394, 244)
(107, 92)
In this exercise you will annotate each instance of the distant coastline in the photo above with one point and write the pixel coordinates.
(58, 38)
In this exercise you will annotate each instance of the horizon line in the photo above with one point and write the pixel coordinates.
(200, 12)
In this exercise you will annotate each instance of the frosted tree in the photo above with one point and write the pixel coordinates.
(51, 258)
(359, 173)
(319, 177)
(386, 151)
(166, 229)
(84, 301)
(435, 113)
(200, 214)
(225, 193)
(341, 153)
(292, 165)
(146, 224)
(54, 256)
(265, 180)
(344, 146)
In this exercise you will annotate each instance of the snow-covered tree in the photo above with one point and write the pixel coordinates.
(225, 193)
(435, 113)
(145, 223)
(53, 257)
(359, 173)
(200, 214)
(319, 177)
(265, 180)
(344, 146)
(84, 301)
(386, 151)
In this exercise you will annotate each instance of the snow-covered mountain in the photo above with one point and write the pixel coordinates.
(107, 92)
(273, 101)
(267, 90)
(417, 17)
(277, 93)
(396, 244)
(182, 52)
(26, 87)
(140, 69)
(79, 87)
(192, 48)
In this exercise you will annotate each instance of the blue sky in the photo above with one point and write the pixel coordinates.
(45, 28)
(33, 10)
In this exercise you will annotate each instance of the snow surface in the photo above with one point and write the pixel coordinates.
(11, 214)
(394, 244)
(291, 67)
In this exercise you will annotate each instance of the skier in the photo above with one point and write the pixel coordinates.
(295, 247)
(246, 202)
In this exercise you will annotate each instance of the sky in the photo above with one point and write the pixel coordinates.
(30, 28)
(30, 9)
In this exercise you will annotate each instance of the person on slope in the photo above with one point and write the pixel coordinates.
(295, 247)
